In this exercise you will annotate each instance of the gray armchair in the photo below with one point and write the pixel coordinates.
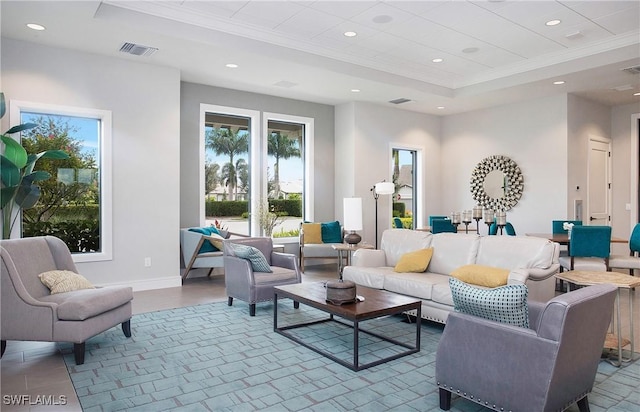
(30, 312)
(545, 368)
(243, 283)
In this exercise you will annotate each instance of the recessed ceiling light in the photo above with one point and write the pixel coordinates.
(231, 65)
(637, 94)
(559, 82)
(355, 90)
(440, 107)
(438, 60)
(35, 26)
(350, 33)
(553, 22)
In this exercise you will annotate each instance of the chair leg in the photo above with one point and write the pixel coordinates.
(3, 347)
(126, 328)
(296, 304)
(230, 301)
(252, 309)
(78, 352)
(583, 404)
(445, 399)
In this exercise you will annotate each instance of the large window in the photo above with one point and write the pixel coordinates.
(406, 165)
(75, 202)
(255, 175)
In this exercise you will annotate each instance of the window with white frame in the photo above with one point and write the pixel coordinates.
(75, 201)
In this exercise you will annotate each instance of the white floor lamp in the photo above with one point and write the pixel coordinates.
(381, 188)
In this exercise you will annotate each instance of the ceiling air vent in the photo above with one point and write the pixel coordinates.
(137, 49)
(632, 70)
(399, 101)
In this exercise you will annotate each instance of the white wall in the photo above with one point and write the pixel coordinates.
(367, 130)
(533, 134)
(624, 134)
(145, 105)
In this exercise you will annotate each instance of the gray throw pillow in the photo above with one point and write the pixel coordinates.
(258, 261)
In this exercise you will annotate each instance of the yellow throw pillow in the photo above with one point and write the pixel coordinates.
(312, 232)
(480, 275)
(60, 281)
(416, 261)
(215, 240)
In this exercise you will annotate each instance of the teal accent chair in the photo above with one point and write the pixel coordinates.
(436, 217)
(557, 225)
(443, 226)
(631, 261)
(508, 228)
(589, 249)
(397, 223)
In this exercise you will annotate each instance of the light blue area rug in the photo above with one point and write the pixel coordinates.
(217, 358)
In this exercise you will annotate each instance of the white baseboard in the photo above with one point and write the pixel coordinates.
(149, 284)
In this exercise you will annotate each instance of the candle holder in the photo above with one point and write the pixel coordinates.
(455, 219)
(466, 219)
(488, 218)
(501, 220)
(477, 216)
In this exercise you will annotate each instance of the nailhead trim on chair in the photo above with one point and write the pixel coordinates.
(471, 397)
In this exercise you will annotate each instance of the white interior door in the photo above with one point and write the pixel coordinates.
(599, 182)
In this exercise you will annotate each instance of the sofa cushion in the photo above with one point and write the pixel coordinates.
(259, 263)
(506, 304)
(312, 233)
(87, 303)
(397, 242)
(367, 276)
(60, 281)
(331, 232)
(481, 275)
(515, 252)
(216, 240)
(419, 285)
(416, 261)
(452, 250)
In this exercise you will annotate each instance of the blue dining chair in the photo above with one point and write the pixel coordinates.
(589, 249)
(434, 217)
(557, 225)
(397, 223)
(632, 260)
(493, 229)
(443, 225)
(511, 231)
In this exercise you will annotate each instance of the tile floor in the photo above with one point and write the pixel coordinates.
(36, 369)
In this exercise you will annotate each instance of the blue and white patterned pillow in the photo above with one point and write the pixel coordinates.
(506, 304)
(258, 261)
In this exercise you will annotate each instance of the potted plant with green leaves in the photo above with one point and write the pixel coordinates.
(19, 181)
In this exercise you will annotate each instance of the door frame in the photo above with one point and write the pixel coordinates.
(635, 170)
(607, 141)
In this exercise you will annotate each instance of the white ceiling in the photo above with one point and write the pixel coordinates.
(297, 49)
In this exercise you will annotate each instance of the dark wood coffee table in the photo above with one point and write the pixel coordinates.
(377, 303)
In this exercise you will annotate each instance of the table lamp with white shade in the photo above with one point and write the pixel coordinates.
(352, 219)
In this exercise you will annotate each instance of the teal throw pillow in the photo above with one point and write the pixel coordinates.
(206, 246)
(506, 304)
(331, 232)
(254, 255)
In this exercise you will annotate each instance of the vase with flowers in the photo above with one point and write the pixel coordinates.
(568, 227)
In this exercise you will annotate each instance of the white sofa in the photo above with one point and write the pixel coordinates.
(532, 261)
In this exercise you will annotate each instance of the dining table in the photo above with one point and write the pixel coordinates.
(563, 238)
